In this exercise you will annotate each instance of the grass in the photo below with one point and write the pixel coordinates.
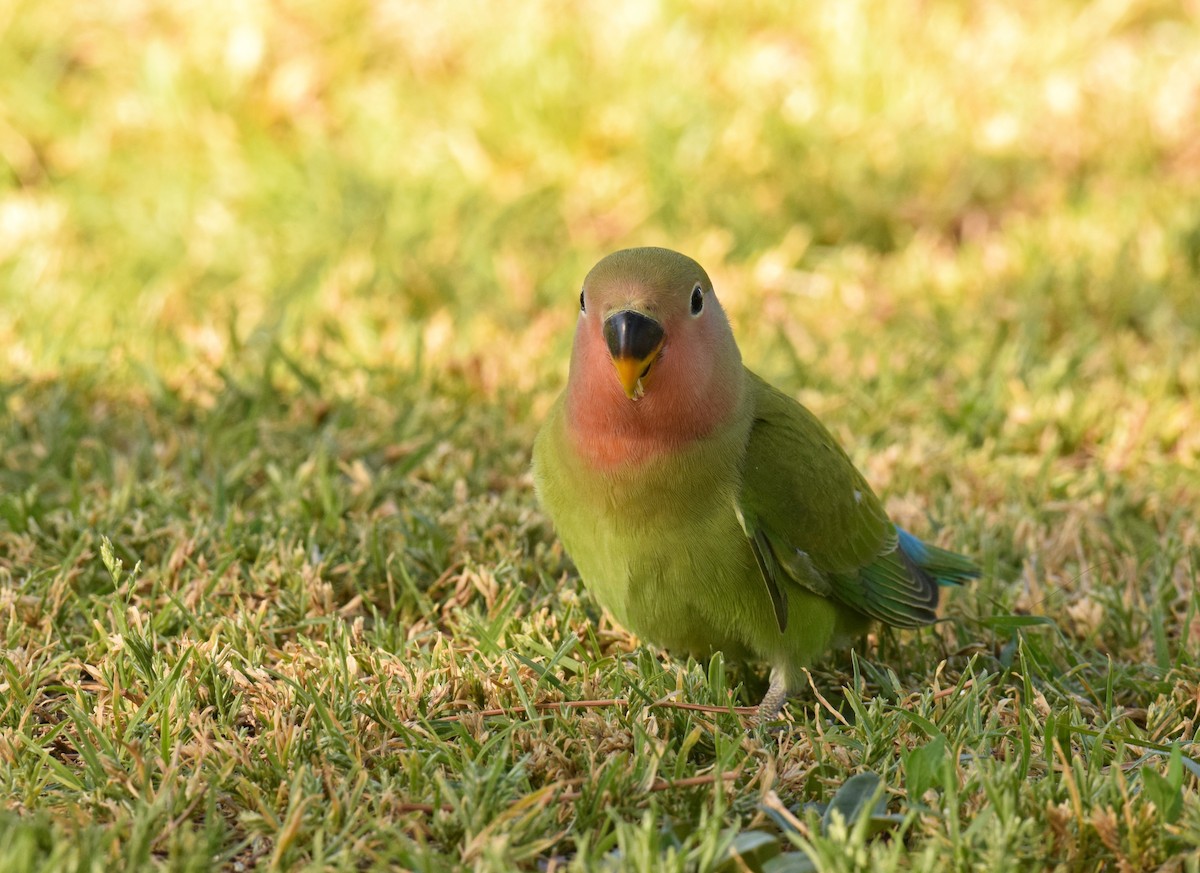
(285, 291)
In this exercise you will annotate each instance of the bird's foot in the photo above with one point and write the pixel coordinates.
(773, 700)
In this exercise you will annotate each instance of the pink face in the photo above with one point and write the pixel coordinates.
(691, 384)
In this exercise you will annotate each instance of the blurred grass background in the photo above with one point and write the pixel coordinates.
(178, 169)
(285, 289)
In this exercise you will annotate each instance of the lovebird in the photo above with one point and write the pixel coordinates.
(705, 509)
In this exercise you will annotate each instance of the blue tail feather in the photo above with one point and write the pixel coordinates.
(948, 568)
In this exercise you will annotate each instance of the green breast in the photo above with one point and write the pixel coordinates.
(659, 544)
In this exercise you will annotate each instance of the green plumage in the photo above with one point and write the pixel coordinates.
(757, 536)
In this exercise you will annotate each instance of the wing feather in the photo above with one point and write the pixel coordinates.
(813, 521)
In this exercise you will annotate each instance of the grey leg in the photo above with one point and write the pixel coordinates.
(774, 699)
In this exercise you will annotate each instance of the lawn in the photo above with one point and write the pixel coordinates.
(287, 288)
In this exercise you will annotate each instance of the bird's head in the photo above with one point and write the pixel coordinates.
(654, 356)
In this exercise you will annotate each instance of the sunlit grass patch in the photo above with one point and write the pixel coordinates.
(285, 292)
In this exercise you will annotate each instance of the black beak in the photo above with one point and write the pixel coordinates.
(632, 336)
(634, 341)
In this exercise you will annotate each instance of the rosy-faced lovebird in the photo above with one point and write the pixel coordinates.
(705, 509)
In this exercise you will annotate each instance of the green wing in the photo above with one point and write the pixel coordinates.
(813, 521)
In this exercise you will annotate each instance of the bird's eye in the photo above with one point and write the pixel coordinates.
(582, 305)
(697, 300)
